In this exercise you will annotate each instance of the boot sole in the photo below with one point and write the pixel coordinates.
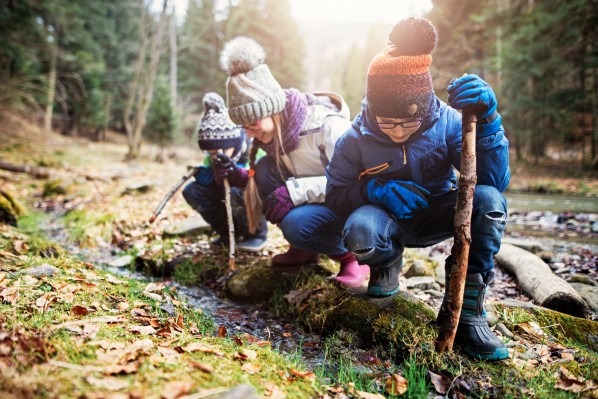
(377, 292)
(497, 355)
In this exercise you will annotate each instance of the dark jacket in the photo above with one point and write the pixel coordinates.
(426, 158)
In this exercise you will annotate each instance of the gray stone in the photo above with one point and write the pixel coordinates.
(418, 268)
(435, 293)
(529, 245)
(122, 261)
(192, 226)
(440, 274)
(41, 270)
(243, 391)
(588, 293)
(582, 278)
(504, 330)
(423, 283)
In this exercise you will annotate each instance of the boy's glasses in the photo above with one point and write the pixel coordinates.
(255, 126)
(404, 125)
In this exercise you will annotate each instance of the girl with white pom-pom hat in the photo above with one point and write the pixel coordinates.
(298, 132)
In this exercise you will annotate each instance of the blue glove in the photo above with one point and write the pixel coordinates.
(402, 198)
(472, 91)
(204, 176)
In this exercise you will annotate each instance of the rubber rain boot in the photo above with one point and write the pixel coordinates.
(295, 257)
(384, 279)
(474, 336)
(352, 274)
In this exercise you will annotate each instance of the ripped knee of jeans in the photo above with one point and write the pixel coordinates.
(497, 216)
(360, 254)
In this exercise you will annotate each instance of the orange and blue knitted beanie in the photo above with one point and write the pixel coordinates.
(399, 84)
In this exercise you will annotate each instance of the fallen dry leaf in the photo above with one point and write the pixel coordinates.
(206, 368)
(273, 391)
(306, 375)
(367, 395)
(143, 330)
(396, 385)
(127, 368)
(567, 381)
(176, 389)
(198, 347)
(222, 332)
(441, 382)
(78, 310)
(109, 383)
(122, 306)
(246, 354)
(113, 280)
(251, 368)
(10, 295)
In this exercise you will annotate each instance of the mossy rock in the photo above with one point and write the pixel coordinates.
(10, 208)
(560, 325)
(402, 321)
(259, 282)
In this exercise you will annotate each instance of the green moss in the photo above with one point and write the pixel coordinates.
(87, 228)
(53, 187)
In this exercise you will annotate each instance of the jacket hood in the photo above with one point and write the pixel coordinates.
(365, 122)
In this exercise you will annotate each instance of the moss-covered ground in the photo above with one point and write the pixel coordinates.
(68, 328)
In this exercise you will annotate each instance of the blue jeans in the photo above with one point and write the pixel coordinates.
(376, 238)
(309, 227)
(209, 202)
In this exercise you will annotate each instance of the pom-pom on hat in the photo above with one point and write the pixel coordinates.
(216, 130)
(399, 84)
(251, 90)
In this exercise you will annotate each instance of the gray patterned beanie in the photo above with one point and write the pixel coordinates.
(251, 90)
(216, 131)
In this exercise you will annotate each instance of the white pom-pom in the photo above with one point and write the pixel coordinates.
(241, 55)
(213, 101)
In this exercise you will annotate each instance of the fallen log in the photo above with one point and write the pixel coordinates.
(32, 170)
(538, 281)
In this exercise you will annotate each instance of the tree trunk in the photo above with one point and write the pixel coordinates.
(536, 279)
(51, 85)
(173, 59)
(448, 318)
(145, 99)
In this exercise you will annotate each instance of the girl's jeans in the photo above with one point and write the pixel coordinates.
(309, 227)
(209, 202)
(375, 237)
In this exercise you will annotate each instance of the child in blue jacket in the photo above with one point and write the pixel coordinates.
(226, 145)
(393, 176)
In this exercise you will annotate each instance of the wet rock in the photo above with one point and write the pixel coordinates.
(188, 227)
(529, 245)
(504, 330)
(243, 391)
(582, 278)
(138, 188)
(122, 261)
(589, 294)
(41, 270)
(422, 283)
(440, 274)
(418, 268)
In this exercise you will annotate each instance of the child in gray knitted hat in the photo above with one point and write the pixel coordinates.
(226, 145)
(297, 131)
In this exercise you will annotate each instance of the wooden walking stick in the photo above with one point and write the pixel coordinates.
(172, 192)
(448, 318)
(229, 219)
(231, 225)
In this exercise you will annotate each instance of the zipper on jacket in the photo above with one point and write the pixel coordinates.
(404, 154)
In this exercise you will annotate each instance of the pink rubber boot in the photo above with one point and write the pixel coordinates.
(352, 274)
(294, 257)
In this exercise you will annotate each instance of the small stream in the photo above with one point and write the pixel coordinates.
(238, 319)
(287, 337)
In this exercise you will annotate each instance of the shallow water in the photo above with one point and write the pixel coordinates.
(553, 203)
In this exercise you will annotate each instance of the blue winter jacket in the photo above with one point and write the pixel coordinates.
(426, 158)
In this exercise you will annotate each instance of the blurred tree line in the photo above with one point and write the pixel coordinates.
(130, 66)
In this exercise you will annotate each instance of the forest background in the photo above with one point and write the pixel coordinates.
(141, 68)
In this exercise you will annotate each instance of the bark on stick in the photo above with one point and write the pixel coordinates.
(448, 318)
